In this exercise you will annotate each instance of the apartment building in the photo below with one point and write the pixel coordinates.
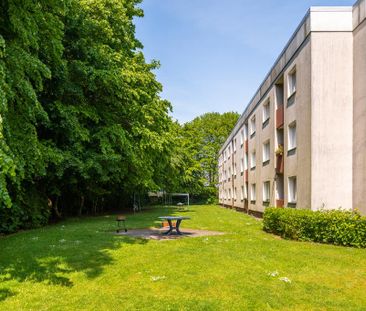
(301, 141)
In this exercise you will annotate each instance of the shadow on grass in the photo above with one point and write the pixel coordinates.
(55, 253)
(5, 293)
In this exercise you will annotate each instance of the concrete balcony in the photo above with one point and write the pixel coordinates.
(280, 116)
(279, 164)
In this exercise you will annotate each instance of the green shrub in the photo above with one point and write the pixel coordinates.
(334, 226)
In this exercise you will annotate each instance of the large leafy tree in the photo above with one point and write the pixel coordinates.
(81, 117)
(199, 142)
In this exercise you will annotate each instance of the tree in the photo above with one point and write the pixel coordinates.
(81, 121)
(197, 148)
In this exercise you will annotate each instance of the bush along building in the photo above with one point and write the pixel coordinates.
(301, 141)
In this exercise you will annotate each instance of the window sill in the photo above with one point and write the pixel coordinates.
(291, 151)
(252, 201)
(265, 163)
(252, 135)
(252, 168)
(291, 99)
(291, 204)
(241, 173)
(265, 123)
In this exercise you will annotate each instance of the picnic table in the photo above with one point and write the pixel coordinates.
(177, 224)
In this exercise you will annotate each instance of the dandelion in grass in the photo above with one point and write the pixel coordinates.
(285, 279)
(273, 273)
(62, 241)
(77, 242)
(35, 238)
(52, 246)
(157, 278)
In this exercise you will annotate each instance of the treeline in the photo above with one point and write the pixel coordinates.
(197, 146)
(82, 126)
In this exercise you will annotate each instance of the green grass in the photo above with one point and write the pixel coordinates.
(80, 265)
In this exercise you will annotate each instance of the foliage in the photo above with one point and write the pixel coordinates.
(78, 264)
(325, 226)
(197, 146)
(82, 126)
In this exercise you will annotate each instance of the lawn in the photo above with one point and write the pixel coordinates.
(80, 265)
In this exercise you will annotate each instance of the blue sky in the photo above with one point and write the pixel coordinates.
(215, 53)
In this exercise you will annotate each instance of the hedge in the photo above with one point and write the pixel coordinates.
(332, 226)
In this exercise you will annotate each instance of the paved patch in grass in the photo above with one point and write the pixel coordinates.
(80, 265)
(158, 233)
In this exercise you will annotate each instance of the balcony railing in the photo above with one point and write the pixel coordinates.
(279, 116)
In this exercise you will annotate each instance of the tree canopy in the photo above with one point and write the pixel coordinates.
(81, 117)
(82, 124)
(197, 148)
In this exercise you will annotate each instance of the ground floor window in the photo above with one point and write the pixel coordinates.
(266, 191)
(292, 189)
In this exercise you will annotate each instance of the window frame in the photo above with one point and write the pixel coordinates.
(253, 126)
(253, 187)
(266, 143)
(291, 82)
(292, 197)
(265, 118)
(251, 160)
(264, 192)
(291, 139)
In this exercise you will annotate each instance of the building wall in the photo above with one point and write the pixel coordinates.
(238, 178)
(359, 112)
(331, 119)
(329, 108)
(297, 163)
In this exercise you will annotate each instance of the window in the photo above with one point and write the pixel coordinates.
(235, 145)
(252, 192)
(252, 160)
(292, 189)
(266, 111)
(241, 138)
(246, 191)
(245, 131)
(242, 193)
(292, 136)
(292, 82)
(229, 193)
(234, 169)
(252, 126)
(266, 191)
(225, 155)
(229, 152)
(229, 173)
(241, 165)
(235, 194)
(246, 161)
(266, 151)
